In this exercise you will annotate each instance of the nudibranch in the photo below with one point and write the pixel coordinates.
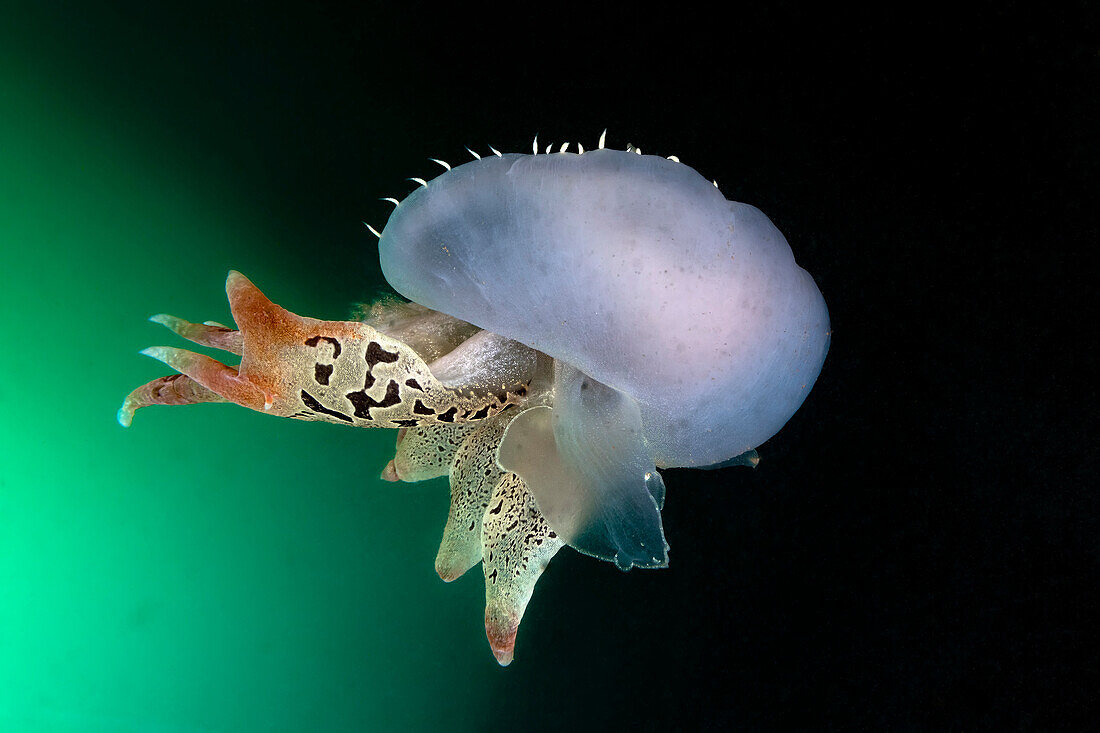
(577, 322)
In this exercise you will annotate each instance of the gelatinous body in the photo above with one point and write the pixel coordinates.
(635, 270)
(578, 321)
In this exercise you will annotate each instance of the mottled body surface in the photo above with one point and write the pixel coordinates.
(493, 518)
(473, 474)
(332, 371)
(427, 451)
(518, 545)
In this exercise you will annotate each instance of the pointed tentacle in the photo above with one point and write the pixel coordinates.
(474, 474)
(518, 545)
(212, 374)
(205, 334)
(346, 372)
(174, 389)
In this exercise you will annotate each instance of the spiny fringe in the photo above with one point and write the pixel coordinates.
(564, 148)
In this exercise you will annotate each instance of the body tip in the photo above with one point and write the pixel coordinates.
(389, 473)
(501, 626)
(235, 280)
(448, 568)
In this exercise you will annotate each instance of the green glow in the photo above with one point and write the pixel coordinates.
(208, 568)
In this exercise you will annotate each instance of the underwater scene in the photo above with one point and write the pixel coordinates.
(653, 454)
(212, 568)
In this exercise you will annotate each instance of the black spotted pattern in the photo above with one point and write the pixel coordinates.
(312, 403)
(377, 355)
(322, 372)
(314, 340)
(363, 402)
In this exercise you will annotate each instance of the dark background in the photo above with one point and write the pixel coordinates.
(917, 549)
